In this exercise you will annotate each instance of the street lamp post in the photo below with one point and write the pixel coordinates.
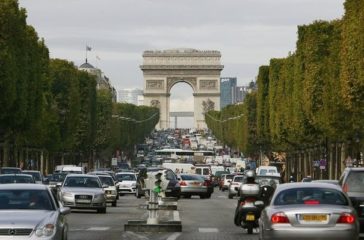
(357, 141)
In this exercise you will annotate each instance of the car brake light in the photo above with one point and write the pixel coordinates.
(346, 187)
(279, 218)
(346, 218)
(242, 203)
(311, 202)
(183, 183)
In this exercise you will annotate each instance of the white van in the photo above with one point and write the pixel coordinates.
(73, 169)
(267, 170)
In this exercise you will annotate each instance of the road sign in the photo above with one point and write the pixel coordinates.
(114, 162)
(323, 164)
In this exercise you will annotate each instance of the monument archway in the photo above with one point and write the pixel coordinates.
(200, 69)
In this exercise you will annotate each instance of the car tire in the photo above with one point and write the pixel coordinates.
(230, 196)
(203, 196)
(187, 196)
(223, 189)
(114, 203)
(208, 195)
(101, 210)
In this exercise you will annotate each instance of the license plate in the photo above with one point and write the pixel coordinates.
(250, 217)
(196, 183)
(83, 201)
(314, 217)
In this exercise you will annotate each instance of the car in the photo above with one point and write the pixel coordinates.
(111, 192)
(217, 177)
(54, 180)
(235, 184)
(193, 184)
(126, 182)
(82, 191)
(309, 211)
(10, 170)
(29, 211)
(37, 175)
(16, 178)
(225, 181)
(352, 182)
(267, 170)
(327, 181)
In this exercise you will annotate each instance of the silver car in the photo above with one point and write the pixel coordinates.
(192, 184)
(111, 192)
(309, 211)
(29, 211)
(83, 191)
(235, 184)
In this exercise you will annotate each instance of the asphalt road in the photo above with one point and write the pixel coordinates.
(201, 219)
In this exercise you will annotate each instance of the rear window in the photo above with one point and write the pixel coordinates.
(191, 177)
(310, 196)
(229, 176)
(354, 182)
(206, 171)
(238, 179)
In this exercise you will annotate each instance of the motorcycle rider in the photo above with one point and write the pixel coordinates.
(250, 179)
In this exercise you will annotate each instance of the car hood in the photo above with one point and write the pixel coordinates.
(110, 188)
(77, 190)
(127, 182)
(26, 218)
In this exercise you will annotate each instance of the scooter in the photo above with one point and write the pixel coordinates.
(249, 208)
(248, 213)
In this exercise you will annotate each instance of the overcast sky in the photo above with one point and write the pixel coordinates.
(248, 33)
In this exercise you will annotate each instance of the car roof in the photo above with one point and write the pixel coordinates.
(16, 174)
(31, 171)
(19, 186)
(286, 186)
(81, 175)
(125, 173)
(356, 169)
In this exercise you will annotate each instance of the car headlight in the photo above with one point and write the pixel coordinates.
(133, 184)
(98, 196)
(67, 194)
(46, 230)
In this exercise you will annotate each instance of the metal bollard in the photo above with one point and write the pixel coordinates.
(153, 208)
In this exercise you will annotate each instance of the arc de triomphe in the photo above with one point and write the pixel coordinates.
(200, 69)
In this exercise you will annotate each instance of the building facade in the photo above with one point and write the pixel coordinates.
(103, 82)
(130, 95)
(227, 91)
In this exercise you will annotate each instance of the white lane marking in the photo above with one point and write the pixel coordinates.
(127, 235)
(176, 216)
(98, 229)
(174, 236)
(208, 230)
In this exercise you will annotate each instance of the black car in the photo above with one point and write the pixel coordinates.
(10, 170)
(173, 189)
(352, 182)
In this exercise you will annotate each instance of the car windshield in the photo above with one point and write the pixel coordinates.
(192, 178)
(58, 177)
(36, 175)
(106, 180)
(125, 177)
(219, 173)
(16, 179)
(84, 182)
(229, 176)
(10, 170)
(355, 182)
(25, 199)
(310, 196)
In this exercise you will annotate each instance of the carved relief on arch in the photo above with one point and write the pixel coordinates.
(155, 84)
(192, 81)
(208, 84)
(155, 103)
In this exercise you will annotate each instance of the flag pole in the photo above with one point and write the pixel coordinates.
(86, 53)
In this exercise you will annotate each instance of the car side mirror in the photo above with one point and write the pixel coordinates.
(58, 185)
(236, 189)
(64, 210)
(45, 181)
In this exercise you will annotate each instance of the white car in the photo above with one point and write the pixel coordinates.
(126, 182)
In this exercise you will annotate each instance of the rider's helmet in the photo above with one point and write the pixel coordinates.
(250, 176)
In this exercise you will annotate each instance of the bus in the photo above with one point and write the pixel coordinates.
(183, 154)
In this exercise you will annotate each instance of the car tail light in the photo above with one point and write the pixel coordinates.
(279, 218)
(346, 218)
(346, 187)
(183, 183)
(311, 202)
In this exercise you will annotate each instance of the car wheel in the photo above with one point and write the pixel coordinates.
(230, 196)
(202, 196)
(114, 204)
(101, 210)
(187, 196)
(223, 189)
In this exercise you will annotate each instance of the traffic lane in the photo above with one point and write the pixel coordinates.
(87, 224)
(211, 218)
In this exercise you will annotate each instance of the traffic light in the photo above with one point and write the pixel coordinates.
(157, 184)
(157, 181)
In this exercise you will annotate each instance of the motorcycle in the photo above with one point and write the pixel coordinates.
(249, 207)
